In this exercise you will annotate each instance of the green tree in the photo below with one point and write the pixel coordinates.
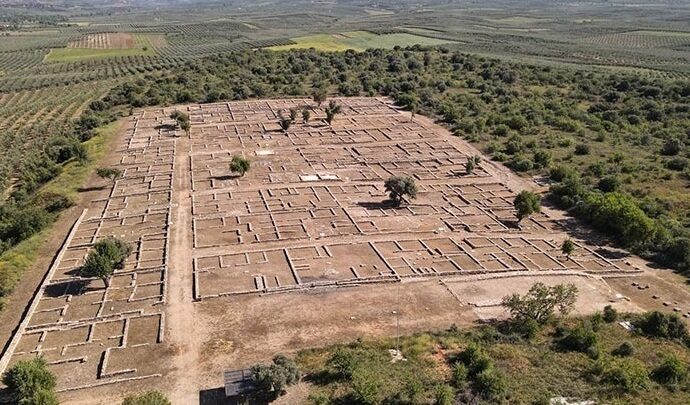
(319, 95)
(147, 398)
(109, 173)
(186, 126)
(526, 203)
(30, 382)
(541, 301)
(181, 120)
(239, 164)
(106, 255)
(472, 162)
(398, 187)
(567, 248)
(276, 377)
(284, 122)
(306, 115)
(331, 110)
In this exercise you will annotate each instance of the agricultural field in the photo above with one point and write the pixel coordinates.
(106, 46)
(358, 41)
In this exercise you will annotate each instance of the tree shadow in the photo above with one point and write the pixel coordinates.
(226, 177)
(510, 223)
(166, 127)
(324, 377)
(612, 254)
(87, 189)
(76, 287)
(382, 205)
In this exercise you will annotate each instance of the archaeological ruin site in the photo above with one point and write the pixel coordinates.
(221, 261)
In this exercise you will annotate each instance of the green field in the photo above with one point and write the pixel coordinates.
(358, 40)
(142, 47)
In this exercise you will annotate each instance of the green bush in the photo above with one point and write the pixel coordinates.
(610, 314)
(475, 359)
(30, 379)
(444, 395)
(582, 149)
(671, 372)
(627, 375)
(625, 349)
(660, 325)
(490, 384)
(147, 398)
(580, 338)
(459, 375)
(366, 385)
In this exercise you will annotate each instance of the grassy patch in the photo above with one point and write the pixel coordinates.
(534, 371)
(358, 41)
(14, 262)
(142, 47)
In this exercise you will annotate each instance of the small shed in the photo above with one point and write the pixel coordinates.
(238, 383)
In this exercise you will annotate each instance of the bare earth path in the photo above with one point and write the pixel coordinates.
(180, 307)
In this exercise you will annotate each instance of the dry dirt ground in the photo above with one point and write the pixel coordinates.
(304, 250)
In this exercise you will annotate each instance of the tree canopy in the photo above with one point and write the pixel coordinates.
(104, 257)
(400, 186)
(541, 302)
(526, 203)
(240, 164)
(31, 383)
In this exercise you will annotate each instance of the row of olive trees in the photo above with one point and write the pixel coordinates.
(331, 110)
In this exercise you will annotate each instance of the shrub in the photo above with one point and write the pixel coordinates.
(147, 398)
(609, 183)
(624, 350)
(475, 359)
(610, 314)
(677, 163)
(343, 362)
(582, 149)
(542, 158)
(459, 375)
(579, 339)
(490, 384)
(560, 173)
(444, 395)
(626, 375)
(671, 372)
(672, 147)
(659, 325)
(367, 386)
(520, 163)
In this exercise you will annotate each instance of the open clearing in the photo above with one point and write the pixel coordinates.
(302, 251)
(106, 45)
(358, 41)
